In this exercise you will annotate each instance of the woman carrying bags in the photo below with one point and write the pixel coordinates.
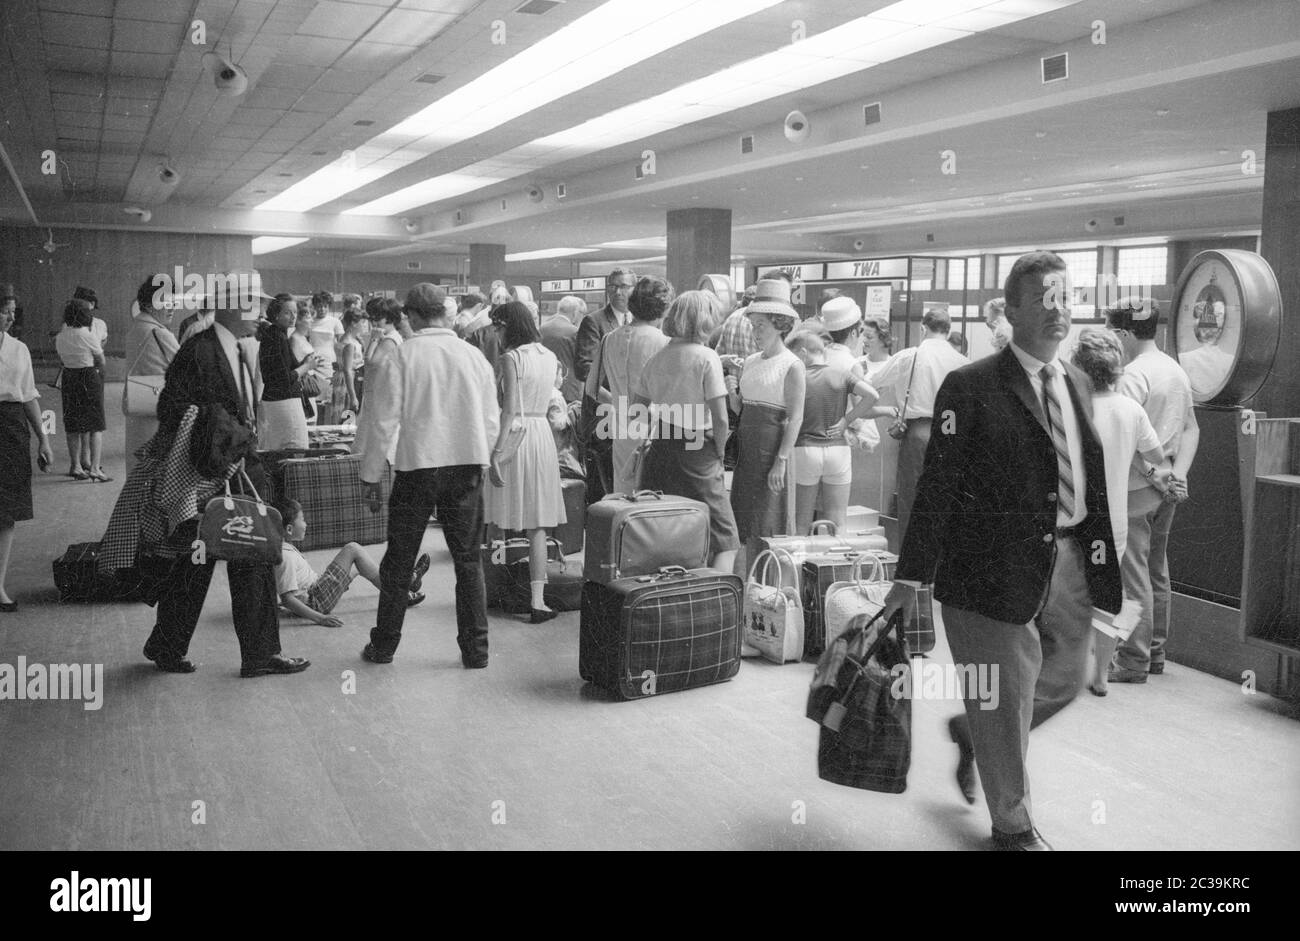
(525, 473)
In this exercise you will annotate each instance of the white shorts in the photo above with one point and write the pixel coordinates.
(831, 465)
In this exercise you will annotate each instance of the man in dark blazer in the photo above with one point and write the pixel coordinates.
(1012, 526)
(599, 455)
(211, 368)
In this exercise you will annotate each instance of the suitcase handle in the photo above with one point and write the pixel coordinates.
(641, 495)
(829, 525)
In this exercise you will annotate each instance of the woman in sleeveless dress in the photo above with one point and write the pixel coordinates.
(769, 396)
(347, 364)
(525, 492)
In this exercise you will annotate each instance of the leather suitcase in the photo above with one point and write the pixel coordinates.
(820, 571)
(642, 533)
(661, 633)
(507, 580)
(570, 534)
(329, 489)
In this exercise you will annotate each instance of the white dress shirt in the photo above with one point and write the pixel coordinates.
(934, 359)
(443, 399)
(17, 382)
(77, 348)
(1073, 437)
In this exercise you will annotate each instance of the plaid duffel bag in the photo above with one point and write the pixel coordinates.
(329, 489)
(650, 634)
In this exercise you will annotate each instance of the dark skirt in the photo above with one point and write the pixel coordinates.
(674, 468)
(758, 511)
(15, 465)
(83, 400)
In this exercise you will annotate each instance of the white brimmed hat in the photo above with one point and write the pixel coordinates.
(772, 297)
(840, 313)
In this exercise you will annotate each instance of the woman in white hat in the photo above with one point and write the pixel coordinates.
(769, 397)
(842, 319)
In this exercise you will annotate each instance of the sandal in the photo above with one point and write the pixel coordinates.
(79, 475)
(99, 476)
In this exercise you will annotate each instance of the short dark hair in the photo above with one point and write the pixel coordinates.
(322, 299)
(839, 336)
(519, 324)
(957, 340)
(145, 293)
(936, 321)
(1029, 265)
(279, 303)
(881, 326)
(288, 508)
(77, 314)
(472, 299)
(829, 295)
(650, 298)
(1140, 316)
(803, 338)
(1099, 354)
(386, 309)
(351, 316)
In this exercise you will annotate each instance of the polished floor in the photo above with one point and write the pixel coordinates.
(423, 754)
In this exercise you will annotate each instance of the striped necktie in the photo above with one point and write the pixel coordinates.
(1064, 469)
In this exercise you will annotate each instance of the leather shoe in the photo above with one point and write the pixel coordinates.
(477, 663)
(9, 607)
(417, 577)
(958, 732)
(1156, 669)
(1118, 675)
(542, 615)
(1030, 840)
(170, 664)
(413, 598)
(374, 656)
(276, 664)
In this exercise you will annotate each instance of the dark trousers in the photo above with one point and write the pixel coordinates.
(911, 459)
(600, 472)
(455, 495)
(180, 601)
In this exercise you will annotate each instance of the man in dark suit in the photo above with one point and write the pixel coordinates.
(211, 368)
(1012, 526)
(599, 454)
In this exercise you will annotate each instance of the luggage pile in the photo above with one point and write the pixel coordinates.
(654, 618)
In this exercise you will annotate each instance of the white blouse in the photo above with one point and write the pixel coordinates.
(77, 347)
(17, 383)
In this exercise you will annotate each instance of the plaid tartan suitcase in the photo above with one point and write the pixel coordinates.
(651, 634)
(329, 489)
(819, 573)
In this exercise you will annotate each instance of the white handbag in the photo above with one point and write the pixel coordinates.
(845, 600)
(140, 393)
(773, 614)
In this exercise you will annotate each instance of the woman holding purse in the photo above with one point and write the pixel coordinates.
(525, 473)
(282, 422)
(150, 348)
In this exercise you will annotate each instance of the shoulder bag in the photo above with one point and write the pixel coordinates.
(898, 428)
(140, 393)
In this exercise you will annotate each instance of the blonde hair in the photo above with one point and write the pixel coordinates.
(693, 316)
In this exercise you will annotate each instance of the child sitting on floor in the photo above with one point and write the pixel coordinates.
(313, 597)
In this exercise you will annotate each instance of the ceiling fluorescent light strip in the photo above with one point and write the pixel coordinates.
(548, 253)
(613, 37)
(892, 32)
(265, 244)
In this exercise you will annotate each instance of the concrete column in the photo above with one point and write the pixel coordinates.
(487, 263)
(699, 243)
(1280, 246)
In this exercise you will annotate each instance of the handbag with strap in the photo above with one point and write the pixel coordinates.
(240, 527)
(140, 393)
(773, 614)
(864, 712)
(846, 600)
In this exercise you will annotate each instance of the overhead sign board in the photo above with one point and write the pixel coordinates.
(868, 268)
(555, 287)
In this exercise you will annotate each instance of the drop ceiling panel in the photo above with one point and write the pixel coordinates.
(312, 50)
(373, 56)
(75, 58)
(84, 7)
(146, 65)
(339, 20)
(348, 82)
(281, 75)
(141, 36)
(73, 29)
(410, 27)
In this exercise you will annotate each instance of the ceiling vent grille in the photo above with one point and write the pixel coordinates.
(459, 217)
(428, 78)
(747, 144)
(638, 171)
(1119, 220)
(538, 7)
(871, 113)
(1056, 68)
(560, 191)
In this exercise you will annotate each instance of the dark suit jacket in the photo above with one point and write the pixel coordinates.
(591, 331)
(985, 512)
(559, 336)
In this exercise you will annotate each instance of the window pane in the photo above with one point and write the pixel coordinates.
(1142, 266)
